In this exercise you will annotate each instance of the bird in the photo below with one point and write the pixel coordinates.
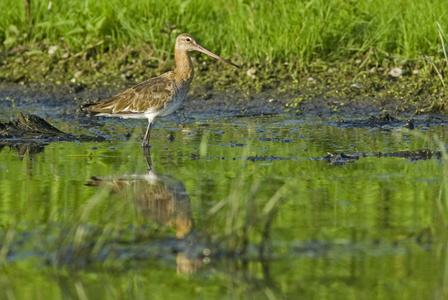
(158, 96)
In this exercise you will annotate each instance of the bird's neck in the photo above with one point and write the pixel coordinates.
(184, 67)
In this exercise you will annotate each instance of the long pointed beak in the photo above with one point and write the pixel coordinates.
(203, 50)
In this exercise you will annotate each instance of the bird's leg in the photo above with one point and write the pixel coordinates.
(147, 156)
(147, 135)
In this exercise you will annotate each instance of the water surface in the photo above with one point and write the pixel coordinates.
(229, 208)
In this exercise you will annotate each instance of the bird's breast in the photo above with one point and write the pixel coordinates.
(177, 98)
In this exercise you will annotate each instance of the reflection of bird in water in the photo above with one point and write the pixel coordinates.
(158, 197)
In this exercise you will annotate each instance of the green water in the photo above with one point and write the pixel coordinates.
(240, 208)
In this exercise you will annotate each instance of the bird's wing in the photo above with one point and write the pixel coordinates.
(150, 95)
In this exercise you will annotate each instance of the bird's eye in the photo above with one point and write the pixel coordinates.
(188, 39)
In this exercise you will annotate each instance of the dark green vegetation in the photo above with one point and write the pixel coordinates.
(281, 44)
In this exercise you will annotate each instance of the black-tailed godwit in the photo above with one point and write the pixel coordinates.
(158, 96)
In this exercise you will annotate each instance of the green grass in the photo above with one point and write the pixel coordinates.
(377, 32)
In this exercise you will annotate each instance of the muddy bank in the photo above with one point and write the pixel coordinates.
(317, 97)
(344, 87)
(31, 128)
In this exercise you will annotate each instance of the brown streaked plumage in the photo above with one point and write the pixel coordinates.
(159, 96)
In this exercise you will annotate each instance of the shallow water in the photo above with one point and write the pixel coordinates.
(232, 208)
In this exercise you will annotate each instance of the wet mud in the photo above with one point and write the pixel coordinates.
(343, 158)
(64, 100)
(338, 159)
(35, 130)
